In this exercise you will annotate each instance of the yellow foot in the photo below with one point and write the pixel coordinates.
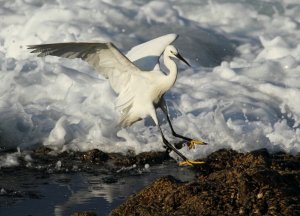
(193, 142)
(191, 163)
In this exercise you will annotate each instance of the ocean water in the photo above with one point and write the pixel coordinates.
(242, 91)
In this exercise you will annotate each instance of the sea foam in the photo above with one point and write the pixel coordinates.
(242, 91)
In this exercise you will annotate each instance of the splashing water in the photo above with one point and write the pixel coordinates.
(244, 98)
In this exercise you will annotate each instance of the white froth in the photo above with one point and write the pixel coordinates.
(251, 101)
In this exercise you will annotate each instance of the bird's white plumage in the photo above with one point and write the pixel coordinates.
(144, 91)
(146, 55)
(138, 91)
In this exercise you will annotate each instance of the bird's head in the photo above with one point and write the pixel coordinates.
(171, 51)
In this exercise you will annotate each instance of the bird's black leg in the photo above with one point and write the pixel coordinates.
(171, 147)
(191, 142)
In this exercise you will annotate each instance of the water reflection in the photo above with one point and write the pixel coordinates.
(64, 194)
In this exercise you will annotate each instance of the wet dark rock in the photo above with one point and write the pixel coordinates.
(230, 183)
(85, 213)
(45, 159)
(41, 150)
(95, 155)
(140, 159)
(151, 157)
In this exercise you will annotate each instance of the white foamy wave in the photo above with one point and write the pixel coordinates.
(244, 101)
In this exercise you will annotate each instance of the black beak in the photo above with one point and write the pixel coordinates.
(182, 59)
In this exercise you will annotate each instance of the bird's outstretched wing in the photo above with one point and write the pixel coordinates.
(104, 57)
(146, 55)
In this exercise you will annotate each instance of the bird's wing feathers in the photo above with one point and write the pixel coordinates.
(146, 55)
(108, 60)
(111, 63)
(104, 57)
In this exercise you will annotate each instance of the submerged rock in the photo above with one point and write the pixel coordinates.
(94, 156)
(85, 213)
(45, 159)
(230, 183)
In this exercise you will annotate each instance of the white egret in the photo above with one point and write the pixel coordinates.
(139, 92)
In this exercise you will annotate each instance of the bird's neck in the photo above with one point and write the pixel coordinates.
(171, 66)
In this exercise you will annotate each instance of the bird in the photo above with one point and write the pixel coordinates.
(139, 92)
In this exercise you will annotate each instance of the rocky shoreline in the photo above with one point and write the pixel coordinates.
(229, 183)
